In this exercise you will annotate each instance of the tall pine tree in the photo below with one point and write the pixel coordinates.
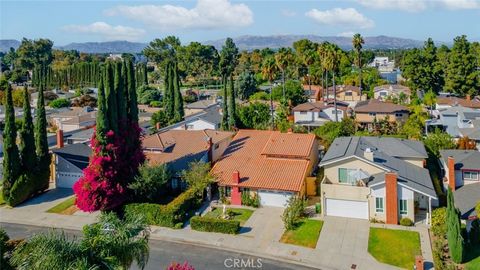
(454, 234)
(41, 143)
(103, 125)
(461, 74)
(232, 114)
(11, 157)
(27, 138)
(132, 92)
(178, 99)
(121, 96)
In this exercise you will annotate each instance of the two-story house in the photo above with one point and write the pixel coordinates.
(346, 93)
(315, 114)
(377, 178)
(372, 110)
(462, 175)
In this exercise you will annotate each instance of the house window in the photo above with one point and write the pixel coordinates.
(398, 114)
(346, 176)
(403, 207)
(372, 114)
(379, 205)
(472, 176)
(174, 183)
(348, 94)
(228, 191)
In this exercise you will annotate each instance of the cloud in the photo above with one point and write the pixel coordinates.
(108, 32)
(346, 34)
(207, 14)
(346, 17)
(288, 13)
(420, 5)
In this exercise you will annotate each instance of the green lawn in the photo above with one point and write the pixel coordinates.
(473, 255)
(395, 247)
(239, 214)
(306, 234)
(66, 207)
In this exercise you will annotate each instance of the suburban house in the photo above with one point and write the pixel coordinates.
(210, 118)
(74, 118)
(274, 165)
(313, 92)
(199, 106)
(347, 93)
(377, 178)
(68, 162)
(178, 148)
(372, 110)
(393, 91)
(315, 114)
(444, 102)
(462, 175)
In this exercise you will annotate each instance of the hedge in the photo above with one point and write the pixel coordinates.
(406, 222)
(168, 215)
(208, 224)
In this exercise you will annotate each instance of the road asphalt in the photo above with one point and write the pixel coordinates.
(162, 253)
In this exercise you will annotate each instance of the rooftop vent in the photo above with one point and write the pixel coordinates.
(368, 154)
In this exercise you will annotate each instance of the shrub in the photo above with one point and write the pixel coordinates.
(249, 200)
(207, 224)
(406, 222)
(150, 182)
(293, 212)
(439, 225)
(156, 104)
(59, 103)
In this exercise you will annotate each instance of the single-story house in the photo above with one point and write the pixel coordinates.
(315, 114)
(271, 164)
(210, 118)
(369, 111)
(68, 163)
(199, 106)
(177, 148)
(74, 118)
(385, 91)
(462, 175)
(377, 178)
(444, 102)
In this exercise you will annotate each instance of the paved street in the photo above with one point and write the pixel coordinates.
(163, 252)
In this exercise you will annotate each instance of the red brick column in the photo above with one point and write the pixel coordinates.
(60, 142)
(236, 195)
(419, 262)
(391, 193)
(451, 173)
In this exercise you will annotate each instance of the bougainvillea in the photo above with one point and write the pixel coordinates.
(177, 266)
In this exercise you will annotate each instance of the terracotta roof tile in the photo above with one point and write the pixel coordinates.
(472, 103)
(266, 160)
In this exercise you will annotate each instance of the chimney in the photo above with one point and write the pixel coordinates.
(419, 262)
(60, 142)
(391, 193)
(467, 97)
(451, 172)
(368, 154)
(236, 177)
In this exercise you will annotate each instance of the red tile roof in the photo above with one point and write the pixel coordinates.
(266, 160)
(473, 103)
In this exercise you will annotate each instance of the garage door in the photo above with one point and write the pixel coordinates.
(274, 198)
(346, 208)
(66, 180)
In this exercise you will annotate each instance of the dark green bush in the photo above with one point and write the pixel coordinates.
(208, 224)
(439, 224)
(406, 222)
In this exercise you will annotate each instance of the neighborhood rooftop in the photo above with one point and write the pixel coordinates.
(373, 105)
(464, 159)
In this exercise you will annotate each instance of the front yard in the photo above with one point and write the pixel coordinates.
(305, 234)
(394, 247)
(240, 214)
(66, 207)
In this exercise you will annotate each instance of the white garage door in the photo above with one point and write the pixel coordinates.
(66, 180)
(274, 198)
(346, 208)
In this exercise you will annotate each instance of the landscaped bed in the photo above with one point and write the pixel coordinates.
(394, 247)
(305, 234)
(66, 207)
(240, 214)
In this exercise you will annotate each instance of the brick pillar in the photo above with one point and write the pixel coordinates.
(451, 173)
(419, 262)
(391, 194)
(236, 195)
(60, 142)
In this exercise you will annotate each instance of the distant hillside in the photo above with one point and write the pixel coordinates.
(105, 47)
(259, 42)
(6, 44)
(243, 42)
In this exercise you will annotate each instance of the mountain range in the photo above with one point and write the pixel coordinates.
(247, 42)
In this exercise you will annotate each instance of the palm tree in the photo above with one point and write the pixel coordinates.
(331, 63)
(269, 71)
(322, 53)
(282, 59)
(108, 244)
(308, 58)
(357, 42)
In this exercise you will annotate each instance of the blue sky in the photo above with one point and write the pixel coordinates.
(200, 20)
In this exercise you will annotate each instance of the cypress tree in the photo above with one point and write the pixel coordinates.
(454, 235)
(121, 97)
(144, 74)
(111, 97)
(178, 102)
(41, 142)
(132, 93)
(224, 104)
(170, 92)
(11, 157)
(27, 143)
(102, 119)
(232, 115)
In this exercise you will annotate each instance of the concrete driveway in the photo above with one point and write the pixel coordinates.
(343, 242)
